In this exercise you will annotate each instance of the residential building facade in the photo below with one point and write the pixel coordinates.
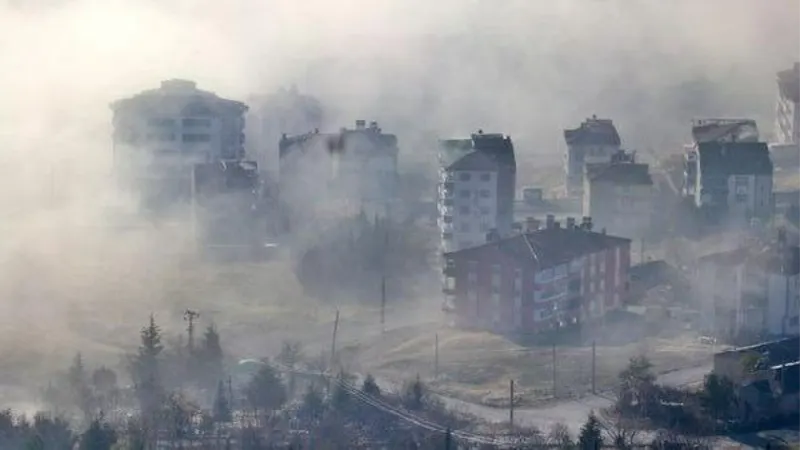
(750, 291)
(339, 173)
(728, 173)
(160, 135)
(177, 125)
(619, 197)
(787, 111)
(537, 280)
(595, 141)
(475, 193)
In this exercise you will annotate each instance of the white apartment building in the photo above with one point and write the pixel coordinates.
(787, 111)
(596, 141)
(619, 198)
(467, 201)
(752, 290)
(476, 189)
(176, 126)
(339, 174)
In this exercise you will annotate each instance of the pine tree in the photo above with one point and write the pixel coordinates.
(210, 358)
(145, 369)
(590, 437)
(79, 388)
(222, 407)
(99, 436)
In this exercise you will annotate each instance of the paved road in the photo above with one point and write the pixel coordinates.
(572, 413)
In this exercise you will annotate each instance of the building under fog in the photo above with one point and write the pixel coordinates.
(477, 178)
(339, 174)
(595, 141)
(728, 172)
(618, 196)
(177, 125)
(787, 111)
(538, 279)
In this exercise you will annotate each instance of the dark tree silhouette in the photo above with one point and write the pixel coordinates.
(590, 437)
(210, 359)
(222, 407)
(145, 369)
(370, 386)
(265, 392)
(99, 436)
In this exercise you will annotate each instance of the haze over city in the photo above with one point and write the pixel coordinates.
(509, 92)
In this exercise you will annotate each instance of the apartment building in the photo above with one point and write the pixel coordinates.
(595, 141)
(787, 111)
(346, 172)
(728, 172)
(476, 188)
(537, 280)
(618, 196)
(753, 290)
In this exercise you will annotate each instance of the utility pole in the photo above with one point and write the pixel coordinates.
(436, 357)
(594, 366)
(190, 316)
(641, 250)
(511, 405)
(554, 371)
(333, 339)
(383, 303)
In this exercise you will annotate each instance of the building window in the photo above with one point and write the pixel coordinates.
(486, 176)
(485, 227)
(463, 210)
(447, 202)
(447, 236)
(464, 176)
(463, 193)
(484, 210)
(161, 123)
(447, 219)
(195, 137)
(193, 122)
(465, 228)
(518, 282)
(485, 193)
(741, 198)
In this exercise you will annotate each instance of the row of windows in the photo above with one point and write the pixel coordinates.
(169, 137)
(466, 176)
(187, 122)
(483, 193)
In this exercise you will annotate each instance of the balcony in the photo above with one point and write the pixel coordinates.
(449, 268)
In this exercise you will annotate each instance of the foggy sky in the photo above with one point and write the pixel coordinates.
(528, 68)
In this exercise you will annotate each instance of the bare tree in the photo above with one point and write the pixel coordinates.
(560, 436)
(620, 431)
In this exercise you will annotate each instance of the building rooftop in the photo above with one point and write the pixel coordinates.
(772, 258)
(789, 83)
(474, 160)
(773, 353)
(735, 158)
(199, 102)
(496, 146)
(546, 247)
(738, 130)
(593, 131)
(362, 136)
(622, 174)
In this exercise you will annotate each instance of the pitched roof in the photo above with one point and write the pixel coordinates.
(498, 147)
(770, 258)
(710, 130)
(474, 160)
(593, 131)
(781, 351)
(547, 247)
(735, 158)
(622, 174)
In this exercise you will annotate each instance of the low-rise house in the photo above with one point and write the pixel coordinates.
(618, 196)
(744, 364)
(753, 290)
(539, 279)
(595, 141)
